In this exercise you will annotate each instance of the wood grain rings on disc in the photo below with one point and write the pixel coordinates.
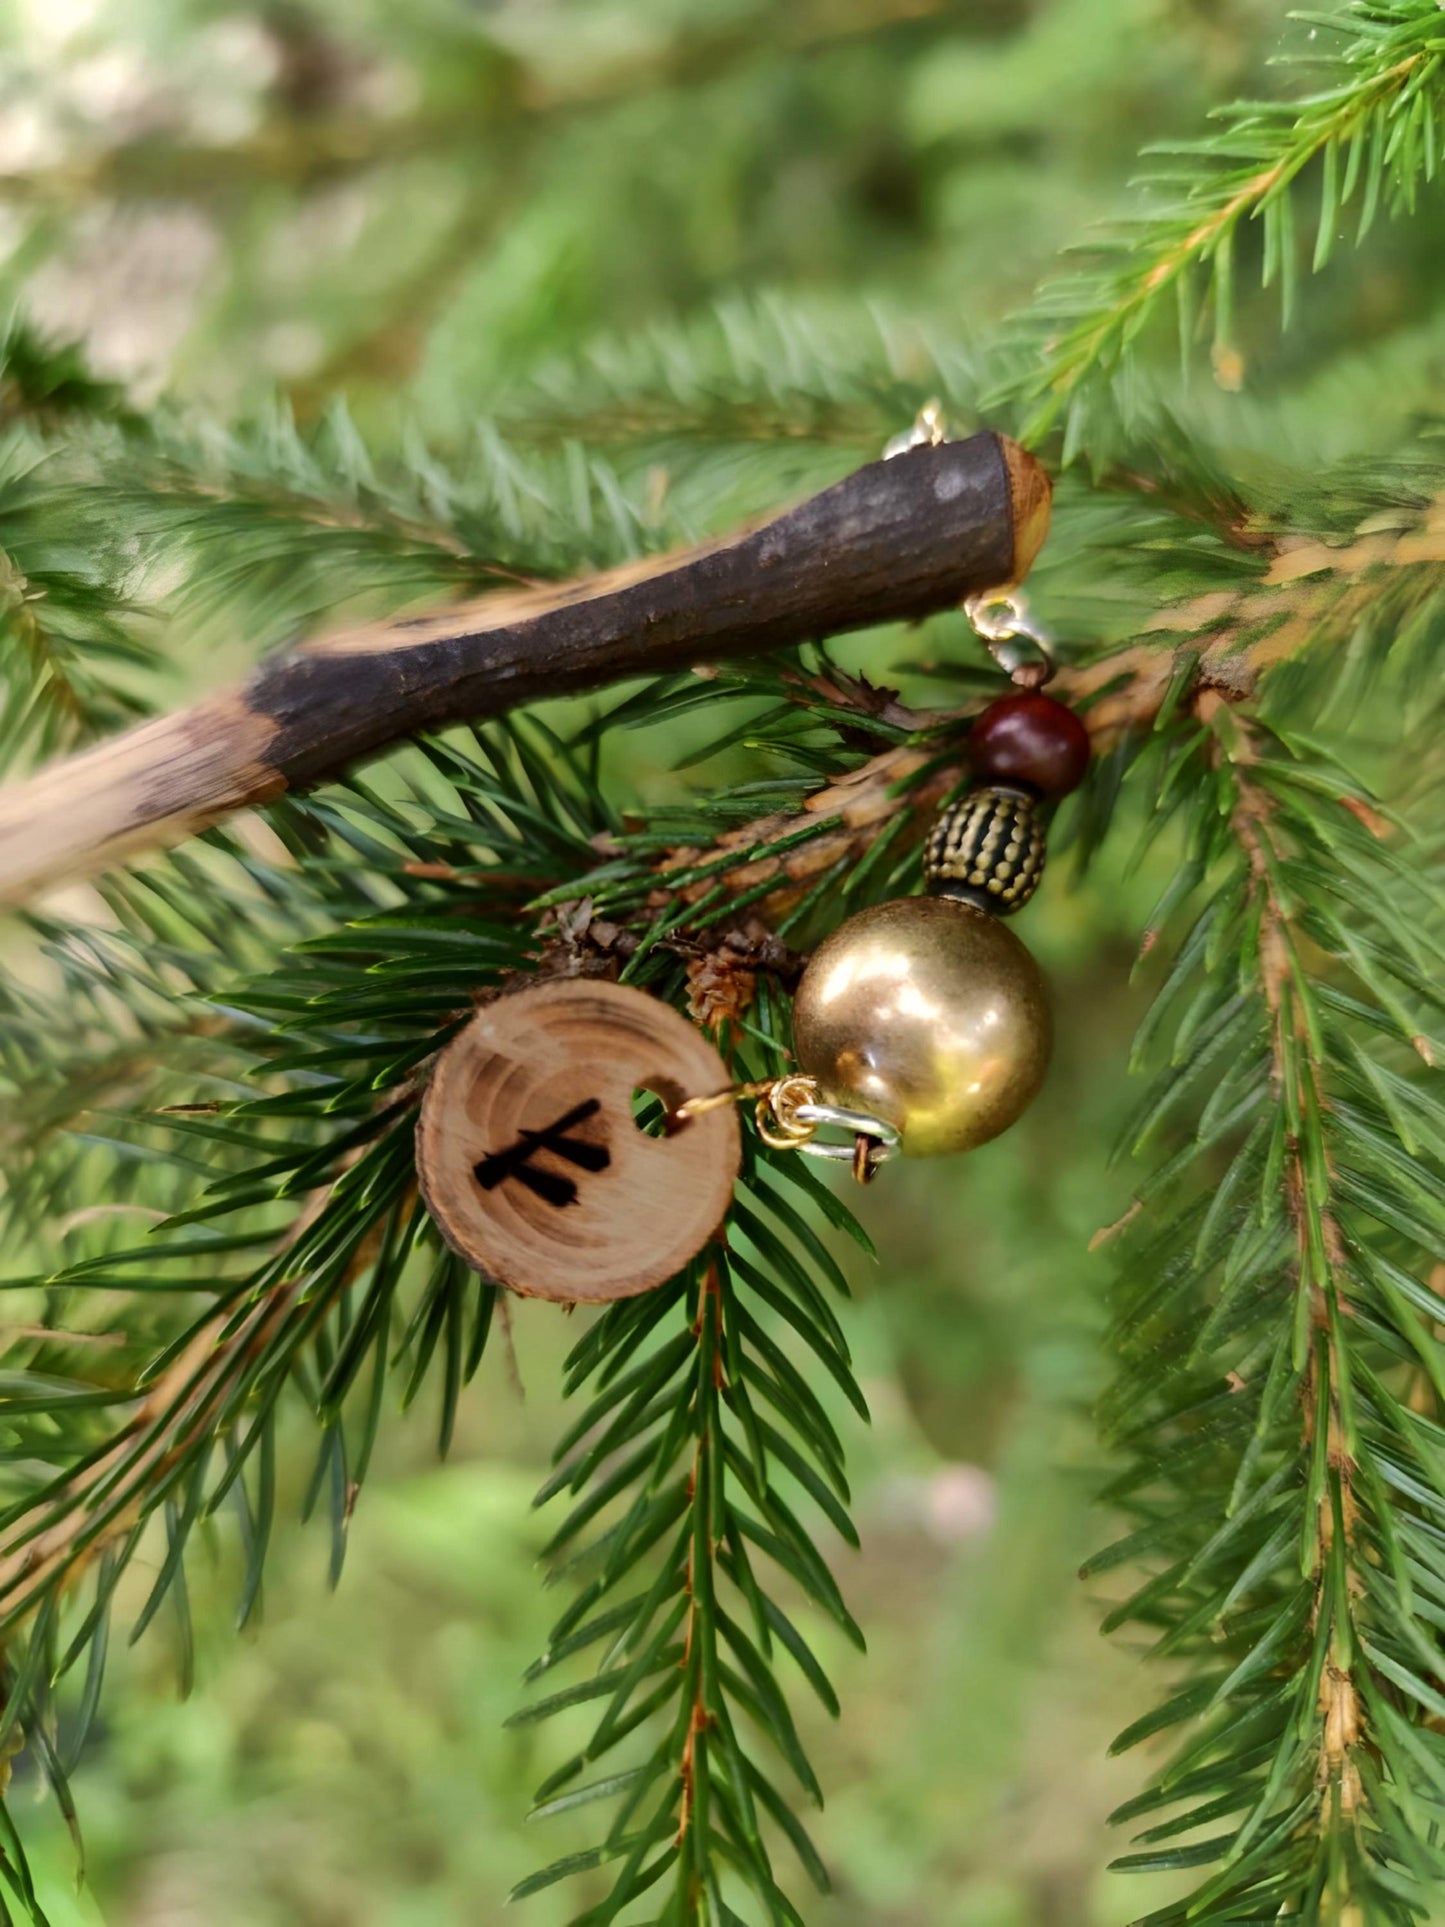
(531, 1162)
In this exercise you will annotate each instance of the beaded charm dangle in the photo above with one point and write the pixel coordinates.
(923, 1024)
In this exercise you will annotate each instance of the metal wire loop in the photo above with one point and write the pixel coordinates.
(789, 1114)
(1001, 617)
(928, 429)
(883, 1138)
(779, 1125)
(718, 1100)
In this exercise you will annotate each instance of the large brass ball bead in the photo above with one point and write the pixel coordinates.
(930, 1014)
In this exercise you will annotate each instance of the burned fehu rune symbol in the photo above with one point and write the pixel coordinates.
(532, 1159)
(552, 1187)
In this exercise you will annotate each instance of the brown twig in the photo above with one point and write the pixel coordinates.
(1320, 1249)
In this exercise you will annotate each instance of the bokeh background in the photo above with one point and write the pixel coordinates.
(459, 214)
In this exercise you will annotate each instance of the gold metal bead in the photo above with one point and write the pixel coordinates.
(930, 1014)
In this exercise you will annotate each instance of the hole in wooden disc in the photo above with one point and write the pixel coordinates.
(652, 1108)
(649, 1113)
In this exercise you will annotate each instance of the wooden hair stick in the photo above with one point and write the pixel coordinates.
(896, 540)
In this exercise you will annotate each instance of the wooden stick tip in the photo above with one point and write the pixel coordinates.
(1031, 495)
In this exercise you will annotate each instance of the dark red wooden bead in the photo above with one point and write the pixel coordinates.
(1032, 739)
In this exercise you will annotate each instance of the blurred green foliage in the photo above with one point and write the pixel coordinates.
(458, 214)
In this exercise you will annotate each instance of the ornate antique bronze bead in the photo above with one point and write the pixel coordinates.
(929, 1014)
(987, 849)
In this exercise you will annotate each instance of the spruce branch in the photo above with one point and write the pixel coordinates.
(1303, 596)
(72, 665)
(794, 369)
(1374, 133)
(319, 1275)
(1282, 1482)
(208, 1089)
(48, 384)
(311, 1253)
(686, 1466)
(417, 897)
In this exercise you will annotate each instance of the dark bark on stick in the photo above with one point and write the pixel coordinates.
(894, 541)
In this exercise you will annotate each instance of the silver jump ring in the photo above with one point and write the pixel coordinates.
(1002, 616)
(856, 1123)
(928, 429)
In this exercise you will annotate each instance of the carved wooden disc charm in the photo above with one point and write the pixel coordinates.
(531, 1162)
